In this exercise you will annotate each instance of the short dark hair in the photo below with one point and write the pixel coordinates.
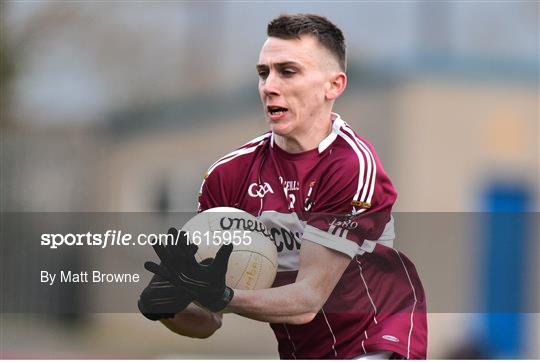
(289, 26)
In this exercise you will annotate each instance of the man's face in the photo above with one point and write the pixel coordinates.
(294, 77)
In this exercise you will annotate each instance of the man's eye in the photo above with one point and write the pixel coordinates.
(288, 72)
(263, 74)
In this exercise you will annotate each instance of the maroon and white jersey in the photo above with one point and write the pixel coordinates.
(338, 196)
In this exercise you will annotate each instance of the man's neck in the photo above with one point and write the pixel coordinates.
(308, 140)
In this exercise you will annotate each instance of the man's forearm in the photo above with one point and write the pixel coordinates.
(295, 303)
(299, 302)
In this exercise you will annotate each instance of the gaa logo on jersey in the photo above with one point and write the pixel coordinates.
(257, 190)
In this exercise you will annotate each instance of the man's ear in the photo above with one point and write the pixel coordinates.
(337, 84)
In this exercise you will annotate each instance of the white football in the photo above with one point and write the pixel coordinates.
(253, 261)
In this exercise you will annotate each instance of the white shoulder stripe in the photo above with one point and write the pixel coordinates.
(363, 158)
(231, 156)
(371, 187)
(368, 153)
(257, 139)
(234, 153)
(361, 163)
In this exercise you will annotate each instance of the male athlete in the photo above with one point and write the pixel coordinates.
(341, 291)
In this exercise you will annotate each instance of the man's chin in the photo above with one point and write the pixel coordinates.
(280, 129)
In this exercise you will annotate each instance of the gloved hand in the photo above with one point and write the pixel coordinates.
(205, 283)
(161, 299)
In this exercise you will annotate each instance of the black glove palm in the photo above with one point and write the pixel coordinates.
(161, 299)
(205, 283)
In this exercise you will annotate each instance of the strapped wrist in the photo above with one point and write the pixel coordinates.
(216, 305)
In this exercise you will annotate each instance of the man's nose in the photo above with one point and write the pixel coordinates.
(270, 86)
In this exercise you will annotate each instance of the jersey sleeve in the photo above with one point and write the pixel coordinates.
(223, 180)
(351, 210)
(213, 192)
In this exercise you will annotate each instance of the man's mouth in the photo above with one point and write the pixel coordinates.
(276, 112)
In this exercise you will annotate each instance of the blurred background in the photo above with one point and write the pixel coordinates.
(121, 107)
